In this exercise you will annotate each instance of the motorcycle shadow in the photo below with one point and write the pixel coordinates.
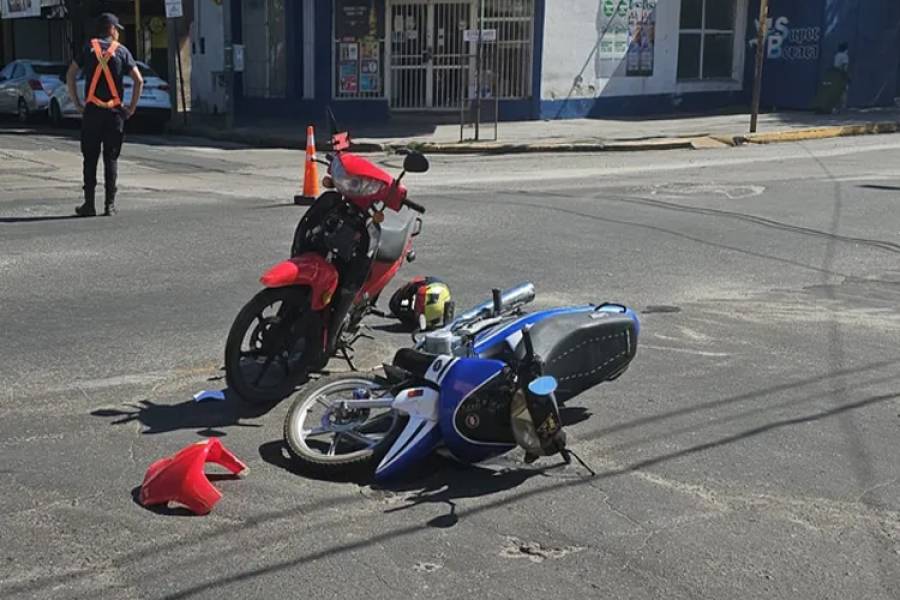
(438, 480)
(208, 418)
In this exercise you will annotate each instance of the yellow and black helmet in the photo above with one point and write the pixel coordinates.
(423, 296)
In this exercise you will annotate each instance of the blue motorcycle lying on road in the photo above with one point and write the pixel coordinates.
(490, 380)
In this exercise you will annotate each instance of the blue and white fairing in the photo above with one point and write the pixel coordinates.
(461, 415)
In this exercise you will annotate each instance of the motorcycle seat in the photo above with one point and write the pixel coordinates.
(582, 350)
(395, 231)
(413, 361)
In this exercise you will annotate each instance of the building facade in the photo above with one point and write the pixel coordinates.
(34, 29)
(532, 59)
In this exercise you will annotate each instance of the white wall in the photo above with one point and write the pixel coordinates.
(208, 58)
(572, 29)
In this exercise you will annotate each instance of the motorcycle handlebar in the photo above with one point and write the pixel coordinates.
(415, 206)
(510, 300)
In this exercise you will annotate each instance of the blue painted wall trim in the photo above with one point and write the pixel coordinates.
(631, 106)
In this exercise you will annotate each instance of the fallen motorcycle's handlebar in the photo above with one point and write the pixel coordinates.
(510, 300)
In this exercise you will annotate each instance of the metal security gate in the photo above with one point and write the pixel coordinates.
(429, 57)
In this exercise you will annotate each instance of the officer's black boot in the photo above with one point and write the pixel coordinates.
(87, 209)
(110, 206)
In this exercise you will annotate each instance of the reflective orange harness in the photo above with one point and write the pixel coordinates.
(103, 65)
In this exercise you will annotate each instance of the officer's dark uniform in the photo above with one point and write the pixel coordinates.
(103, 126)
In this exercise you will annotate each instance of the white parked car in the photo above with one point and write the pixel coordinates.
(153, 105)
(26, 86)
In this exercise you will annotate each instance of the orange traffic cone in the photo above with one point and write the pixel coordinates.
(310, 172)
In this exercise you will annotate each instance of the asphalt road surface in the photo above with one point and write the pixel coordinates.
(750, 452)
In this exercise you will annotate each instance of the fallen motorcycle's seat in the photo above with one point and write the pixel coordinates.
(181, 479)
(413, 361)
(584, 349)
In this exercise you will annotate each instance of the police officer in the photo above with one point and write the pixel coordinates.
(104, 62)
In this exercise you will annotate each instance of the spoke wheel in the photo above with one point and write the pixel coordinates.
(270, 344)
(329, 441)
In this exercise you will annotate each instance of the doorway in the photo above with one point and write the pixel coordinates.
(429, 57)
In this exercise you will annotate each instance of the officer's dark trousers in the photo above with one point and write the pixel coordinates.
(102, 130)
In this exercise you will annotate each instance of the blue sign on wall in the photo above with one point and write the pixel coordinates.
(802, 42)
(793, 52)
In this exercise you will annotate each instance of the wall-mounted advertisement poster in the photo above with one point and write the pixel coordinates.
(628, 30)
(349, 83)
(359, 39)
(19, 9)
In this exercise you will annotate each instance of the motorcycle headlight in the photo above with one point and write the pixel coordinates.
(353, 186)
(523, 427)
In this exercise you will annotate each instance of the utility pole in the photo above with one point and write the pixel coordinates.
(173, 74)
(480, 32)
(229, 64)
(139, 42)
(761, 37)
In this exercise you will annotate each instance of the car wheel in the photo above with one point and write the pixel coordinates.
(22, 111)
(56, 119)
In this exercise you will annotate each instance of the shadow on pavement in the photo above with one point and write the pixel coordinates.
(208, 418)
(447, 481)
(883, 188)
(175, 510)
(454, 482)
(37, 219)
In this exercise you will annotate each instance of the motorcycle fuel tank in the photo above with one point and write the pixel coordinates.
(474, 412)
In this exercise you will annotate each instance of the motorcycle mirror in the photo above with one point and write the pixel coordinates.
(415, 162)
(332, 122)
(543, 386)
(449, 311)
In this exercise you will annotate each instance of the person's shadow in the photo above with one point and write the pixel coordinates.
(37, 219)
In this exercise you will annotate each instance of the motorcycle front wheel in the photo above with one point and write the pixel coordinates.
(271, 345)
(329, 441)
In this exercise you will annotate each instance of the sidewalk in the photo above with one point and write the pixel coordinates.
(563, 135)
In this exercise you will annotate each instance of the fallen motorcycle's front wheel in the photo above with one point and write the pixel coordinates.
(271, 345)
(330, 435)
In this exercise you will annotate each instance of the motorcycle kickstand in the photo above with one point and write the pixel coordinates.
(346, 356)
(567, 458)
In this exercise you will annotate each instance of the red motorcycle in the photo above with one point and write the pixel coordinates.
(345, 251)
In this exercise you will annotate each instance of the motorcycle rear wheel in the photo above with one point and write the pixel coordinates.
(334, 445)
(269, 347)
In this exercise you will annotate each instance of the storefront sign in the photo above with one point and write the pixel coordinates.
(487, 35)
(790, 43)
(355, 19)
(174, 9)
(18, 9)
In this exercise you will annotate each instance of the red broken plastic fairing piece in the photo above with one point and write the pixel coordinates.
(180, 478)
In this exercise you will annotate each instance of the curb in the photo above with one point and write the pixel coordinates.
(818, 133)
(680, 143)
(266, 140)
(504, 148)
